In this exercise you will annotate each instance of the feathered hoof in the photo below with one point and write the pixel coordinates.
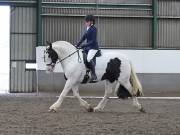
(52, 110)
(97, 110)
(142, 110)
(90, 109)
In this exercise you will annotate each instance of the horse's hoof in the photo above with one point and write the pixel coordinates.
(97, 109)
(90, 109)
(142, 110)
(52, 110)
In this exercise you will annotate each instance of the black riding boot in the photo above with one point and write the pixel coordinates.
(93, 73)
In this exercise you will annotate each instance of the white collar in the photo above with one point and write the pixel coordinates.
(89, 27)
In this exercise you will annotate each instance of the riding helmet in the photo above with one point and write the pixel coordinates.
(90, 18)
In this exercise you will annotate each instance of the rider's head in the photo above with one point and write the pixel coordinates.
(89, 20)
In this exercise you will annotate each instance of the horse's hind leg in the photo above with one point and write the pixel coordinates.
(82, 102)
(108, 91)
(136, 103)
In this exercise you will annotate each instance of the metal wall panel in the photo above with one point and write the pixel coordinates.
(104, 1)
(126, 1)
(21, 80)
(71, 1)
(22, 48)
(169, 8)
(64, 11)
(168, 24)
(130, 20)
(22, 3)
(168, 33)
(63, 28)
(112, 32)
(124, 12)
(20, 0)
(125, 32)
(67, 23)
(24, 20)
(108, 12)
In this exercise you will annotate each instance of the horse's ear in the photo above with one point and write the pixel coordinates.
(49, 43)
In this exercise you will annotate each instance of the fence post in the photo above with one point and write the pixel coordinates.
(39, 23)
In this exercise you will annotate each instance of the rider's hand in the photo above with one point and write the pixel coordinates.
(76, 46)
(83, 45)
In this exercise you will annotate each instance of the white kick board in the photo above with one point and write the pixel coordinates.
(144, 61)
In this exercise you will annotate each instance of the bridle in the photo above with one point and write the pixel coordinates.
(61, 60)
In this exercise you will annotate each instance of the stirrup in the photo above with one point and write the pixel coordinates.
(93, 80)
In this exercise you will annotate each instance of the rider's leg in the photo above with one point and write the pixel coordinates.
(93, 73)
(91, 54)
(85, 59)
(90, 59)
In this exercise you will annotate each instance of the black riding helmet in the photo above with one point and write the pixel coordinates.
(90, 18)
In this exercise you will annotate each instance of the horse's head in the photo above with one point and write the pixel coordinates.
(50, 57)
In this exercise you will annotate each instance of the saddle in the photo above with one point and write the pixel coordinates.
(87, 76)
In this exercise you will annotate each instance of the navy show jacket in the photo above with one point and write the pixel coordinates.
(91, 39)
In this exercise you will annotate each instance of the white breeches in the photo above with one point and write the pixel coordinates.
(91, 54)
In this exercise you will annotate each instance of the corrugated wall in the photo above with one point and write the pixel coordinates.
(103, 1)
(72, 1)
(129, 27)
(22, 48)
(15, 3)
(125, 32)
(168, 24)
(61, 28)
(117, 27)
(18, 1)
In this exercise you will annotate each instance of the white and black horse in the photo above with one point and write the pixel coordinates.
(116, 71)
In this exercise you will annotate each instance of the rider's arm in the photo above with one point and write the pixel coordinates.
(82, 39)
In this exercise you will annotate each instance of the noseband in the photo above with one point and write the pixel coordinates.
(51, 64)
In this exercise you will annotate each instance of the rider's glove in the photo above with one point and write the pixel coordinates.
(76, 46)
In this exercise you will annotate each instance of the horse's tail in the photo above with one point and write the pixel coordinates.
(136, 85)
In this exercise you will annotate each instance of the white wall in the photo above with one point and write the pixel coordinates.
(144, 61)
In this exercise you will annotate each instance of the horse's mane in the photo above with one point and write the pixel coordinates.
(63, 45)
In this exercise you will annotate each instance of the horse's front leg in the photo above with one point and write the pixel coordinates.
(69, 84)
(103, 102)
(82, 102)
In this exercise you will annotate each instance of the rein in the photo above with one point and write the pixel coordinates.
(79, 58)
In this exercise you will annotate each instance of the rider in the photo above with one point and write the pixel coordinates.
(91, 47)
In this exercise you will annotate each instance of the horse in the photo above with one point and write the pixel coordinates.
(117, 71)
